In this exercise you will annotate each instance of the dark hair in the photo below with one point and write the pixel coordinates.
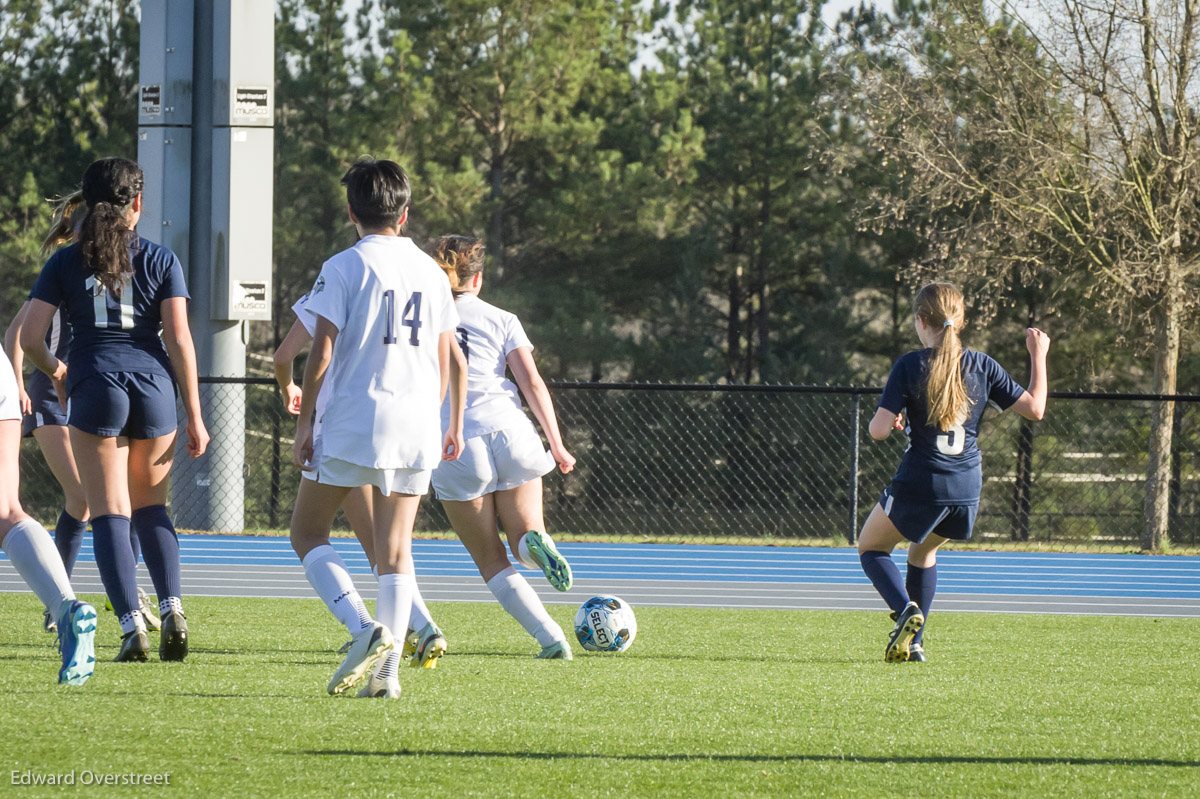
(378, 192)
(460, 257)
(110, 186)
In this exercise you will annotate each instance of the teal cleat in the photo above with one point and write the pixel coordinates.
(77, 642)
(430, 645)
(549, 559)
(559, 650)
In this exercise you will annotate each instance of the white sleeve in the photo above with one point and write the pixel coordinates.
(328, 297)
(304, 315)
(514, 336)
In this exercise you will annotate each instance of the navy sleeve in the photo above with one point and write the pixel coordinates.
(48, 287)
(173, 283)
(1002, 389)
(893, 393)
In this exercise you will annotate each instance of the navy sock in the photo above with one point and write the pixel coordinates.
(921, 584)
(68, 538)
(114, 558)
(160, 549)
(134, 544)
(885, 576)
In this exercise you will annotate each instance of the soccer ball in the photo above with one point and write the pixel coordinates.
(605, 624)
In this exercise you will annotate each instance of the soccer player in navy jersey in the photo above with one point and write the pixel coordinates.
(943, 390)
(44, 416)
(119, 292)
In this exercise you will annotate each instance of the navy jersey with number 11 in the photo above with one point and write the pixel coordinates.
(942, 467)
(113, 333)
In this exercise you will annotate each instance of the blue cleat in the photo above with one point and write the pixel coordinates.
(77, 642)
(547, 558)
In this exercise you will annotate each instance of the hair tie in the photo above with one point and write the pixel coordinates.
(948, 323)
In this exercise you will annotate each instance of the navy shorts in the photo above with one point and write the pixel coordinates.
(130, 404)
(46, 410)
(916, 520)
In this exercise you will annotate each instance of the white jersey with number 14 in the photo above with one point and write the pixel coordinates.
(390, 302)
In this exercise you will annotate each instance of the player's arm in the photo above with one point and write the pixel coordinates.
(533, 388)
(285, 356)
(883, 423)
(1032, 404)
(453, 366)
(177, 336)
(314, 377)
(16, 356)
(32, 337)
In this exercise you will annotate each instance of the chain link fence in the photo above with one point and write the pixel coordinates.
(781, 464)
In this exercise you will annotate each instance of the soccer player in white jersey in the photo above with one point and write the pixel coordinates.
(501, 468)
(383, 342)
(425, 642)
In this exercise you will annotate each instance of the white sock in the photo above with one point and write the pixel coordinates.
(33, 555)
(419, 616)
(523, 555)
(132, 621)
(326, 572)
(517, 596)
(392, 611)
(169, 604)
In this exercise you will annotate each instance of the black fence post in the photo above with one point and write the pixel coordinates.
(855, 409)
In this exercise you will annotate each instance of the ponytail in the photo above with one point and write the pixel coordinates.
(460, 257)
(68, 216)
(110, 186)
(940, 305)
(104, 242)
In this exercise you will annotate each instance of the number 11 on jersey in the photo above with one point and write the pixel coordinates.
(413, 306)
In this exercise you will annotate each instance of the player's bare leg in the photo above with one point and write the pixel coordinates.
(521, 515)
(475, 523)
(55, 443)
(33, 555)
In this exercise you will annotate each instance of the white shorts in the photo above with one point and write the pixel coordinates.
(10, 398)
(331, 471)
(493, 462)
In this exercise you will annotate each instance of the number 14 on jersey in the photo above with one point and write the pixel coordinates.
(410, 317)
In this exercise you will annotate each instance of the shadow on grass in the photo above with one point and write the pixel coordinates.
(749, 758)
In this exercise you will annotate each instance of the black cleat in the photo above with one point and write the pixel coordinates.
(908, 623)
(173, 645)
(135, 647)
(915, 653)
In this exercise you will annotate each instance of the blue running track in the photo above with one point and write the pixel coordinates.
(713, 576)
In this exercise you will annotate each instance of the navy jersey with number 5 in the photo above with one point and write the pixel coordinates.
(943, 467)
(110, 333)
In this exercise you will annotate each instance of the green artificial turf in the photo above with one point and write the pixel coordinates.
(707, 703)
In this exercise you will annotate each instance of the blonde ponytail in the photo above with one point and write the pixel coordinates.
(940, 306)
(68, 215)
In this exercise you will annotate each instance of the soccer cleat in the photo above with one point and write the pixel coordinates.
(559, 650)
(366, 648)
(908, 623)
(915, 653)
(48, 622)
(410, 644)
(77, 642)
(344, 648)
(549, 560)
(431, 645)
(173, 643)
(152, 621)
(135, 646)
(376, 688)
